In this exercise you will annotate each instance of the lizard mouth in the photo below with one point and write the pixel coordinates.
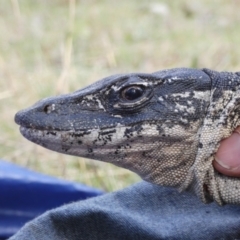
(37, 135)
(40, 135)
(79, 143)
(67, 142)
(88, 144)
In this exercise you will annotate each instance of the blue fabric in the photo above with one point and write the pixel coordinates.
(25, 194)
(142, 211)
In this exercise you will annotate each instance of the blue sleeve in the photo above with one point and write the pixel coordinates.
(142, 211)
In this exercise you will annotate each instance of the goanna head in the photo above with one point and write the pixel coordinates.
(148, 123)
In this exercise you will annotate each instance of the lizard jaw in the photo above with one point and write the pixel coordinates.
(125, 150)
(68, 142)
(94, 144)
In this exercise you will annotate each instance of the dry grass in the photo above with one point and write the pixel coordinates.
(53, 47)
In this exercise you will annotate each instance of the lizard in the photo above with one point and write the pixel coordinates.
(165, 126)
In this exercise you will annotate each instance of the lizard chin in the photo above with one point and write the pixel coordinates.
(146, 156)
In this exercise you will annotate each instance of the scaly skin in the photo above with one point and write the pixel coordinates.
(164, 126)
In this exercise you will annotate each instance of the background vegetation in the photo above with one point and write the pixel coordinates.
(53, 47)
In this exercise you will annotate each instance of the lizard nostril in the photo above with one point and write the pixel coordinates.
(49, 108)
(46, 109)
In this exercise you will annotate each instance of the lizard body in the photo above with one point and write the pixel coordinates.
(165, 126)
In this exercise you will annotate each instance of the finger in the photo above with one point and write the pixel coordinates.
(227, 159)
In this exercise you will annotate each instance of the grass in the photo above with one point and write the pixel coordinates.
(54, 47)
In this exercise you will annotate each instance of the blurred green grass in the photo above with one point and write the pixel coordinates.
(53, 47)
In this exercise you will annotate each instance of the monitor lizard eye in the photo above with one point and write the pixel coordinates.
(132, 92)
(131, 97)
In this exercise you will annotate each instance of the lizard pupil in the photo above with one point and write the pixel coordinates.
(132, 93)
